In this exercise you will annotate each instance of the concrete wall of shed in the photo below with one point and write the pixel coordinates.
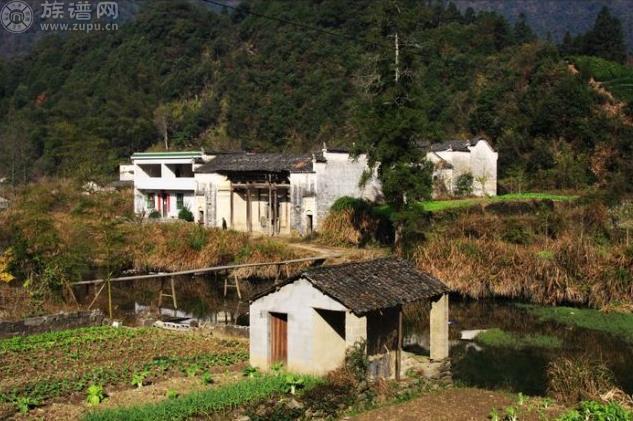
(439, 328)
(298, 300)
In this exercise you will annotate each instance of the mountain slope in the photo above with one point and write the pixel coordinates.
(183, 76)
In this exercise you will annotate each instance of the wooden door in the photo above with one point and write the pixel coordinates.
(278, 338)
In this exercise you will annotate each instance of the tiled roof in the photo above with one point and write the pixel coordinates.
(455, 145)
(371, 285)
(264, 162)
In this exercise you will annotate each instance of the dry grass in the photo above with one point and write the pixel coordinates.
(183, 246)
(572, 380)
(543, 259)
(345, 228)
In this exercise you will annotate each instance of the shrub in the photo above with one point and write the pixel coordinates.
(154, 214)
(185, 215)
(356, 361)
(464, 185)
(571, 380)
(598, 411)
(516, 233)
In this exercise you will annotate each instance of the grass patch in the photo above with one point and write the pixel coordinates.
(618, 324)
(440, 205)
(502, 339)
(203, 403)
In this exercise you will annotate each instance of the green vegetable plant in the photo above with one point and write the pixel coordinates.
(250, 372)
(207, 378)
(25, 403)
(293, 382)
(95, 394)
(192, 370)
(277, 367)
(138, 378)
(494, 415)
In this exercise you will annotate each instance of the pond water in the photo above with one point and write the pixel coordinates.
(517, 370)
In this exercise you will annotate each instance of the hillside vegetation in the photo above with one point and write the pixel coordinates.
(180, 76)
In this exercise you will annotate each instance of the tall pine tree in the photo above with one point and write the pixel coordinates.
(391, 123)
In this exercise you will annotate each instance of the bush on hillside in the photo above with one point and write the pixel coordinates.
(185, 215)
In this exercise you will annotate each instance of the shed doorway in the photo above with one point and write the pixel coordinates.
(329, 337)
(278, 338)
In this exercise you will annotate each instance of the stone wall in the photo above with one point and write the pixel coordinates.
(50, 323)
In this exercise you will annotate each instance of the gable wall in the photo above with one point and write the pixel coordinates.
(298, 300)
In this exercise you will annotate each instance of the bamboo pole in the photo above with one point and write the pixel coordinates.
(208, 270)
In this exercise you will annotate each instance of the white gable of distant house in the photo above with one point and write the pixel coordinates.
(455, 158)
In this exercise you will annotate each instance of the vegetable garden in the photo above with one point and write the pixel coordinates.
(43, 368)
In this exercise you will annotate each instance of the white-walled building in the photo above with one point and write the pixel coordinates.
(164, 182)
(310, 321)
(265, 193)
(456, 157)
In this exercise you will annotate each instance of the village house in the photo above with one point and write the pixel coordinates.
(264, 193)
(309, 321)
(457, 157)
(274, 193)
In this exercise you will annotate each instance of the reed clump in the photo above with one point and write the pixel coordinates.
(575, 379)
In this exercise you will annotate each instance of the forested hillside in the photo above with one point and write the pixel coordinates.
(179, 76)
(556, 17)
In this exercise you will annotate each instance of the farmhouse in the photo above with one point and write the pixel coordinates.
(309, 321)
(454, 158)
(264, 193)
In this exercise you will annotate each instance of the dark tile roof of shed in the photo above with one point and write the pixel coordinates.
(261, 162)
(371, 285)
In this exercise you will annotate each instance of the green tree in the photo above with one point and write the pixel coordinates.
(606, 38)
(390, 125)
(522, 31)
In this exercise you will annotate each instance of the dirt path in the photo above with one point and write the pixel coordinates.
(457, 404)
(343, 254)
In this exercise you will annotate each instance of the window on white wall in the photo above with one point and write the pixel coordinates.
(180, 200)
(150, 201)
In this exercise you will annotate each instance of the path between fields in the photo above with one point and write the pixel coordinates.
(454, 404)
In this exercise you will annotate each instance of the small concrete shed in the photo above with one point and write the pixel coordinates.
(308, 322)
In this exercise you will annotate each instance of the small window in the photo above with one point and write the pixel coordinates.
(180, 200)
(150, 201)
